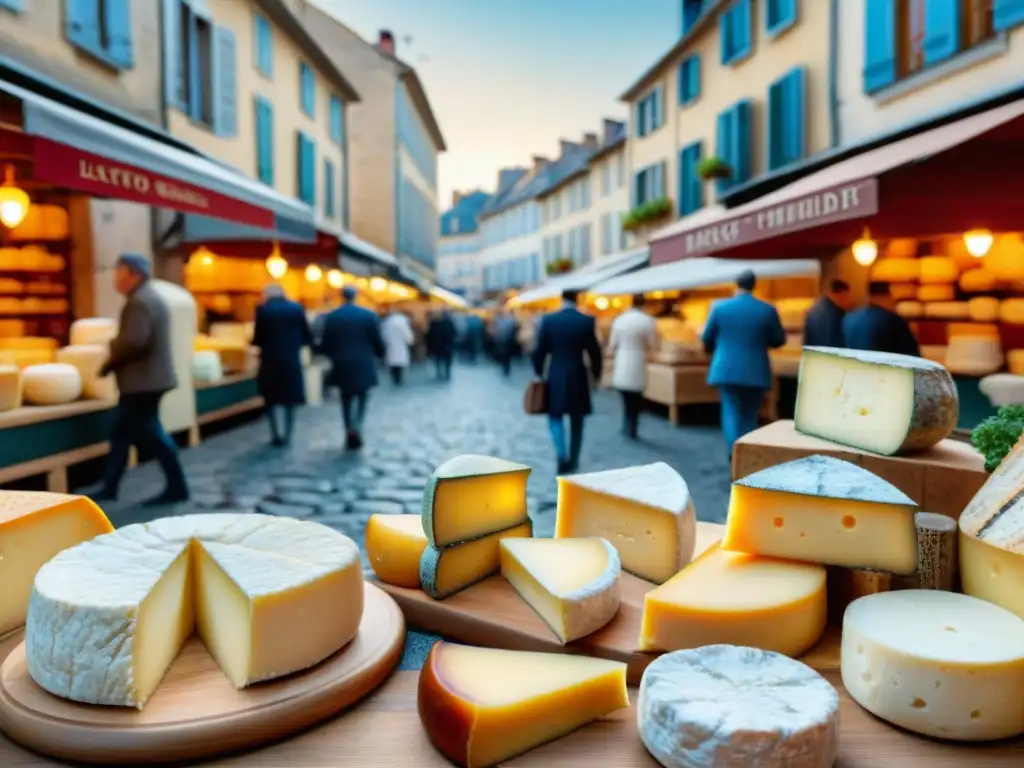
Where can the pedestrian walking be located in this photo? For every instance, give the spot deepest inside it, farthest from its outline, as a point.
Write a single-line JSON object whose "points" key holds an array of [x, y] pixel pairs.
{"points": [[441, 343], [877, 328], [505, 330], [823, 326], [352, 342], [738, 335], [142, 362], [474, 337], [398, 337], [281, 331], [633, 336], [565, 339]]}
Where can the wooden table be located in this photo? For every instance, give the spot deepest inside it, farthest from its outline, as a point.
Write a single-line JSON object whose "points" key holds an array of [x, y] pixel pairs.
{"points": [[686, 384]]}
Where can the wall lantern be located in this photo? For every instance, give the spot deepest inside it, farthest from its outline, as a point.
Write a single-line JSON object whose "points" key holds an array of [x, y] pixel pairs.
{"points": [[978, 242], [276, 264], [314, 274], [335, 279], [865, 250], [378, 285], [14, 201], [601, 303]]}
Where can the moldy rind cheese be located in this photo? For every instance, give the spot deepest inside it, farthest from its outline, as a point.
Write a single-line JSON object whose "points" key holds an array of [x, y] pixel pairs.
{"points": [[394, 547], [444, 572], [879, 402]]}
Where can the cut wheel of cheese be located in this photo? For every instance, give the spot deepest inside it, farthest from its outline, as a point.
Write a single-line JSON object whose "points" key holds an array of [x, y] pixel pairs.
{"points": [[724, 705], [92, 330], [896, 270], [33, 528], [472, 496], [448, 570], [820, 509], [937, 663], [268, 596], [738, 599], [1012, 311], [482, 706], [572, 584], [909, 309], [89, 359], [948, 310], [51, 384], [941, 292], [876, 401], [984, 309], [394, 546], [10, 387], [938, 269], [978, 281], [902, 291], [974, 355], [645, 512]]}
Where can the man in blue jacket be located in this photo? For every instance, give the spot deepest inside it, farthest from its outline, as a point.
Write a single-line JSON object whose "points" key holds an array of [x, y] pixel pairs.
{"points": [[823, 326], [738, 335], [876, 328]]}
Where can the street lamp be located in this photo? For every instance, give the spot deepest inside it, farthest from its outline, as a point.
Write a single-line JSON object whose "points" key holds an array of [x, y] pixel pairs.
{"points": [[314, 274], [14, 201], [865, 250], [978, 242]]}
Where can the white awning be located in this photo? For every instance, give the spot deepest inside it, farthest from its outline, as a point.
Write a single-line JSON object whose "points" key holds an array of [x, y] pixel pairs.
{"points": [[452, 299], [368, 250], [582, 279], [690, 274]]}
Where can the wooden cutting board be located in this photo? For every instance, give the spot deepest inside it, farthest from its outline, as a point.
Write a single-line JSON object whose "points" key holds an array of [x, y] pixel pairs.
{"points": [[493, 614], [196, 713]]}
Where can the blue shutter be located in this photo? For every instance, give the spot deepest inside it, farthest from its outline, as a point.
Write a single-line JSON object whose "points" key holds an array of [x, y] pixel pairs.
{"points": [[13, 5], [195, 84], [725, 36], [174, 63], [941, 30], [879, 44], [742, 27], [638, 129], [1007, 13], [307, 89], [776, 124], [780, 15], [741, 141], [82, 23], [337, 120], [310, 171], [724, 146], [225, 82], [264, 140], [264, 46], [694, 72], [329, 189], [695, 181], [118, 18], [796, 109]]}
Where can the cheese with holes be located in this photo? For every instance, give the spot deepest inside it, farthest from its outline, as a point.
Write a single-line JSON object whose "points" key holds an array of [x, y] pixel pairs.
{"points": [[93, 330], [942, 292], [984, 309], [645, 512], [737, 599], [974, 355], [268, 596], [948, 310], [978, 281], [725, 706], [937, 663], [394, 547], [472, 496], [938, 269], [876, 401], [909, 309], [33, 528], [992, 537], [89, 359], [10, 387], [483, 706], [820, 509], [51, 384], [572, 584], [1012, 311], [896, 270], [448, 570]]}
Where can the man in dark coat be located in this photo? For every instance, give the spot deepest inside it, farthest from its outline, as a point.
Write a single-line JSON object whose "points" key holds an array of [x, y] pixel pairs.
{"points": [[281, 331], [440, 341], [823, 326], [352, 342], [564, 339], [141, 360], [875, 327], [505, 330]]}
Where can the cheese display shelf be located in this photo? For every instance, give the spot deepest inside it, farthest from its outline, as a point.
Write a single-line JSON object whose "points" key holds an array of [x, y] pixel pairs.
{"points": [[680, 384], [230, 396]]}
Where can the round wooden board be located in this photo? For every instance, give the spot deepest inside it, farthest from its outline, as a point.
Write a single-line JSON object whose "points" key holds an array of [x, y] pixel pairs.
{"points": [[196, 713]]}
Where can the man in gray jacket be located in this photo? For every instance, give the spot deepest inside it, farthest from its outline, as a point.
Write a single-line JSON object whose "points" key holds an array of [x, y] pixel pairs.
{"points": [[141, 359]]}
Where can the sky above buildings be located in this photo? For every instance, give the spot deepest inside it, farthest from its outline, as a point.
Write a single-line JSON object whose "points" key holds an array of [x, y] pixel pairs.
{"points": [[508, 79]]}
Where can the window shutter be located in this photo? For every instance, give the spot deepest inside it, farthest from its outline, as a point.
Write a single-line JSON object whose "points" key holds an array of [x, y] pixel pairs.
{"points": [[725, 35], [1007, 14], [265, 141], [742, 28], [694, 74], [741, 141], [879, 44], [638, 119], [310, 166], [118, 18], [724, 145], [225, 82], [776, 124], [174, 56], [695, 181], [82, 23], [941, 30], [796, 105]]}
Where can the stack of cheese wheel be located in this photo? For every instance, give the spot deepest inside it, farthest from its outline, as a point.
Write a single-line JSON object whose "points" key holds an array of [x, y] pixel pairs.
{"points": [[89, 359]]}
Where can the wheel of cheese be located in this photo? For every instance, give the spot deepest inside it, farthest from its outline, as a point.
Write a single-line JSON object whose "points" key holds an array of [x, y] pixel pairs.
{"points": [[903, 291], [88, 359], [978, 281], [974, 355], [206, 366], [726, 705], [901, 248], [10, 387], [948, 310], [92, 330], [51, 384], [1006, 259], [934, 352], [1012, 311], [1015, 361], [938, 269], [909, 309], [896, 270], [936, 292]]}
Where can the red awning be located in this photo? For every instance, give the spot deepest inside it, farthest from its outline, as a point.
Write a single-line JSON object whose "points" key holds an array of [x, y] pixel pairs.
{"points": [[962, 175]]}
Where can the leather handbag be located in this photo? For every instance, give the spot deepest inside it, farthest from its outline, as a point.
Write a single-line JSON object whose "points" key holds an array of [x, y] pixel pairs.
{"points": [[535, 399]]}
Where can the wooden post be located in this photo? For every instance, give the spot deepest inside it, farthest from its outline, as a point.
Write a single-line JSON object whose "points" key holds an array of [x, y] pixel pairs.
{"points": [[847, 584], [936, 551], [57, 480]]}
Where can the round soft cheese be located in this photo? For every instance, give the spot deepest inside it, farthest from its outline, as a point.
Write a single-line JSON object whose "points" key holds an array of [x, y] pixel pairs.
{"points": [[726, 706], [937, 663]]}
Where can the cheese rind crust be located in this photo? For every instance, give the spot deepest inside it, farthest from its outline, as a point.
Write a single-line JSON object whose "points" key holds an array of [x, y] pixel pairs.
{"points": [[443, 572], [394, 546]]}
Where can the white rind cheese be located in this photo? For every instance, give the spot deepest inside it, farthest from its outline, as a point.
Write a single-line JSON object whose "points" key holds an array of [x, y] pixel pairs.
{"points": [[876, 401], [937, 663], [268, 596], [726, 706]]}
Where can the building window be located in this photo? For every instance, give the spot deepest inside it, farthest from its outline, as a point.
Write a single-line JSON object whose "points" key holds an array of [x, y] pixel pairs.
{"points": [[650, 113], [787, 119], [649, 184], [101, 28], [307, 89], [264, 47], [734, 26], [779, 15], [732, 143], [264, 140], [606, 179], [337, 120], [572, 198], [306, 169], [585, 192], [691, 185], [330, 204], [623, 237], [620, 171], [689, 80], [607, 233]]}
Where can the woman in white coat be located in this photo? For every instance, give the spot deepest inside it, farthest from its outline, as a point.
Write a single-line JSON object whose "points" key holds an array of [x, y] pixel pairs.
{"points": [[396, 330], [633, 336]]}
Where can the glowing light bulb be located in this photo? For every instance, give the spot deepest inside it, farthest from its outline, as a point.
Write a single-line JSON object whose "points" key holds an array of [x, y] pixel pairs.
{"points": [[601, 303], [14, 201], [335, 279], [378, 285], [865, 250], [277, 266], [978, 242], [314, 274]]}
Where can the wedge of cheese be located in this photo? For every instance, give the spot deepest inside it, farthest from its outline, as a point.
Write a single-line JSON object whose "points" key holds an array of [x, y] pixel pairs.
{"points": [[472, 496], [937, 663], [572, 584], [394, 546], [737, 599], [645, 512], [820, 509], [482, 706], [268, 596], [876, 401], [444, 572], [33, 528]]}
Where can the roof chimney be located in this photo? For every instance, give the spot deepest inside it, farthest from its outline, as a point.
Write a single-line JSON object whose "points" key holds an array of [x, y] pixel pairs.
{"points": [[539, 163], [612, 130], [565, 147], [509, 176], [386, 42], [590, 140]]}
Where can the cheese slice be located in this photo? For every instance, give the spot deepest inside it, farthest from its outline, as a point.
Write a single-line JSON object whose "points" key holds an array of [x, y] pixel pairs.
{"points": [[269, 596], [394, 546], [737, 599], [937, 663], [723, 705], [33, 528], [820, 509], [876, 401], [472, 496], [482, 706], [444, 572], [645, 512], [572, 584]]}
